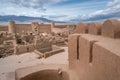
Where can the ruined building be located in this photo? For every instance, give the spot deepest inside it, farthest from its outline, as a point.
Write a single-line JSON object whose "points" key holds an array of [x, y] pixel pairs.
{"points": [[94, 54], [36, 27], [28, 28], [29, 37]]}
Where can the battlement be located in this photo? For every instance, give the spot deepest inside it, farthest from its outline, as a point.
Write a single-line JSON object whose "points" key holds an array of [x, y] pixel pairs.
{"points": [[109, 28], [96, 57]]}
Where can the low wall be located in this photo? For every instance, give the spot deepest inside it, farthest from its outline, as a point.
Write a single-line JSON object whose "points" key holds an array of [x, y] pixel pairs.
{"points": [[24, 48], [47, 52], [42, 72]]}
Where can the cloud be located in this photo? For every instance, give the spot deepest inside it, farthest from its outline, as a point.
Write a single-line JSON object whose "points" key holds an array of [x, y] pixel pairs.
{"points": [[114, 3], [36, 4], [112, 10], [83, 11], [54, 17]]}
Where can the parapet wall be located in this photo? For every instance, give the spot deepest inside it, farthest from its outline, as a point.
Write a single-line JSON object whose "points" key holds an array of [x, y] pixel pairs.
{"points": [[109, 28], [94, 57], [82, 28]]}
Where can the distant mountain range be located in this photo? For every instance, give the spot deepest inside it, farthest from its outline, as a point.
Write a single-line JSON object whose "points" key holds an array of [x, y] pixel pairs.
{"points": [[6, 18]]}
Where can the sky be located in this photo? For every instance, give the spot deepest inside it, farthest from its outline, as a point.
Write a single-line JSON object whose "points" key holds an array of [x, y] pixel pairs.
{"points": [[63, 10]]}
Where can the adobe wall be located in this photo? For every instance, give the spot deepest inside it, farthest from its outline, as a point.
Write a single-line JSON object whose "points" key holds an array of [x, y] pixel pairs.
{"points": [[44, 28], [58, 30], [106, 61], [73, 50], [21, 74], [24, 48], [27, 28], [11, 25], [82, 28], [20, 28], [43, 44], [94, 28], [3, 28], [94, 57], [111, 28]]}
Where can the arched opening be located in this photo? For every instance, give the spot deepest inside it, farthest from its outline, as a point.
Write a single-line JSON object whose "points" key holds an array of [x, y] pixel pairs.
{"points": [[47, 75]]}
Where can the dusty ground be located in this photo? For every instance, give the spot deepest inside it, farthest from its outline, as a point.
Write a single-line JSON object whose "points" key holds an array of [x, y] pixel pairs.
{"points": [[9, 64]]}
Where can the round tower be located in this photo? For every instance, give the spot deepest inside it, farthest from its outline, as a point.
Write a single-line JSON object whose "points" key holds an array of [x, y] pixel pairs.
{"points": [[11, 25], [52, 26]]}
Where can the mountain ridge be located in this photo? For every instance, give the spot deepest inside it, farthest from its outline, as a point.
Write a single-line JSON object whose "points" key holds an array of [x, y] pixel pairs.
{"points": [[7, 18]]}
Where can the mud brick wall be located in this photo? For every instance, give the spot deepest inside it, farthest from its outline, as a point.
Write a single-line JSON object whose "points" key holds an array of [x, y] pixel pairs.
{"points": [[95, 28], [111, 28], [82, 28], [98, 57]]}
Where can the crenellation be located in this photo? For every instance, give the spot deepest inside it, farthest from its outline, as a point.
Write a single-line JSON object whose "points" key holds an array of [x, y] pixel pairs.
{"points": [[111, 28], [82, 28], [96, 54], [95, 28]]}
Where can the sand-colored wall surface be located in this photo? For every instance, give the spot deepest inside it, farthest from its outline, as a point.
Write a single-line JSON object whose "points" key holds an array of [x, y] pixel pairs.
{"points": [[95, 28], [44, 28], [82, 28], [22, 28], [99, 57], [3, 28], [51, 72], [111, 28]]}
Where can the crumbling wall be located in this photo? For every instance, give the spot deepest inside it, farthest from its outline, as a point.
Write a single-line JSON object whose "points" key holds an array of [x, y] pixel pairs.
{"points": [[59, 30], [21, 49], [24, 48], [31, 47], [27, 28]]}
